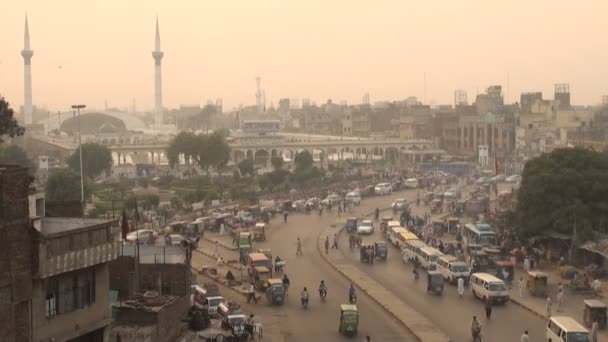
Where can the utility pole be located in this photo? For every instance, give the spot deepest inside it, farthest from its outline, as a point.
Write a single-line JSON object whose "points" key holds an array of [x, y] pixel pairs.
{"points": [[78, 107]]}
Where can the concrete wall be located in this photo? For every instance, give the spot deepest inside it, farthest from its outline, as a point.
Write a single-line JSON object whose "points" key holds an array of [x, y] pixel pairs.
{"points": [[75, 323], [15, 255]]}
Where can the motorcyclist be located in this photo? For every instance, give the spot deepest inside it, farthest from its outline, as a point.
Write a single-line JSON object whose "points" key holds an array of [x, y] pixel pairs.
{"points": [[352, 293], [322, 289], [304, 296], [286, 283], [475, 329]]}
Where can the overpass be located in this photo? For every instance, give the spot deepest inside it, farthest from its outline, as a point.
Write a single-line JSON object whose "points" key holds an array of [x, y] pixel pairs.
{"points": [[261, 150]]}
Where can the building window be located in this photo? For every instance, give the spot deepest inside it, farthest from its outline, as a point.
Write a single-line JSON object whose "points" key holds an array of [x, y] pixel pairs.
{"points": [[50, 301]]}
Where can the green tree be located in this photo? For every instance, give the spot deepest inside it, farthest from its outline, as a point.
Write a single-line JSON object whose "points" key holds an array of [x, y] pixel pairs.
{"points": [[217, 150], [8, 124], [303, 161], [95, 159], [246, 166], [561, 189], [182, 144], [63, 185], [277, 163], [13, 154]]}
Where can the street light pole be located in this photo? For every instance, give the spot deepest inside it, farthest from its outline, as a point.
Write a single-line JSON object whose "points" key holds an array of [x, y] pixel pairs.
{"points": [[78, 107]]}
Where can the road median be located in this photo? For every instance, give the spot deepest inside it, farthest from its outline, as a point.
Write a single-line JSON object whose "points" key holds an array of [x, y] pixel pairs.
{"points": [[414, 321]]}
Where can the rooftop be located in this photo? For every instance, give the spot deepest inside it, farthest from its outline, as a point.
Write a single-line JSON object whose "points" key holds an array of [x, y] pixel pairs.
{"points": [[150, 301], [58, 225]]}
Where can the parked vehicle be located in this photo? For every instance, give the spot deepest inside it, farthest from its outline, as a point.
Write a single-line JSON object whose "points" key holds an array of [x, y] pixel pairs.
{"points": [[383, 189], [353, 197], [399, 204], [332, 200], [536, 283], [349, 320], [259, 231], [428, 257], [204, 299], [174, 240], [513, 179], [351, 225], [366, 227], [257, 260], [142, 237], [484, 285], [498, 178], [411, 183], [483, 180], [595, 311], [434, 282], [563, 328], [411, 250]]}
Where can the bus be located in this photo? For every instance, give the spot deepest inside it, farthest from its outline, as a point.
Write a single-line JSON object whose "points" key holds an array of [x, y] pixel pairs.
{"points": [[260, 127], [480, 234]]}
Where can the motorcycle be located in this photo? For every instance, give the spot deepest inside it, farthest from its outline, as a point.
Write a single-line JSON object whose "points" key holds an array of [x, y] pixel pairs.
{"points": [[353, 299], [305, 303], [323, 294]]}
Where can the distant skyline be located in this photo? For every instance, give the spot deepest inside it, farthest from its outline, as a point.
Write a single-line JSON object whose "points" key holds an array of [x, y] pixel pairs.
{"points": [[93, 52]]}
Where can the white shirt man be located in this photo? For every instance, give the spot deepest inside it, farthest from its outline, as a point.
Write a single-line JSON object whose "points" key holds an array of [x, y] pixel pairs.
{"points": [[525, 337]]}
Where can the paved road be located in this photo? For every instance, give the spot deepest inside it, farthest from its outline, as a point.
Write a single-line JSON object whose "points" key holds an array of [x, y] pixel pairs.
{"points": [[320, 321], [452, 314]]}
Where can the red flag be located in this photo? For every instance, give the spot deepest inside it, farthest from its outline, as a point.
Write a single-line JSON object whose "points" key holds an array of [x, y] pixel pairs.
{"points": [[497, 166], [124, 226]]}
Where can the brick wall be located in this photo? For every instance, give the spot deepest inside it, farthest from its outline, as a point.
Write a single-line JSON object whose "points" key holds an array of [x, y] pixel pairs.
{"points": [[15, 254]]}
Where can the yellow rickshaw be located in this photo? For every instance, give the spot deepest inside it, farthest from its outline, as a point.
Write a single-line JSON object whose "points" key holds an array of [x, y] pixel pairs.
{"points": [[537, 283], [259, 231], [275, 294], [261, 275]]}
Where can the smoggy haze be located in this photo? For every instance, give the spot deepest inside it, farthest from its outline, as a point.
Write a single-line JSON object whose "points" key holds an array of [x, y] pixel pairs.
{"points": [[318, 49]]}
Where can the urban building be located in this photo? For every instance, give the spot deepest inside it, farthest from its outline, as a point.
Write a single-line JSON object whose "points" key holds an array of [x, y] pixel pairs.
{"points": [[489, 102]]}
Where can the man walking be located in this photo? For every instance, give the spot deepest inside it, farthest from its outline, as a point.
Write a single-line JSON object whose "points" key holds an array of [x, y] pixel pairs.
{"points": [[251, 294], [521, 287], [326, 244], [559, 299], [488, 307], [299, 246], [460, 286], [548, 305], [335, 244], [525, 337]]}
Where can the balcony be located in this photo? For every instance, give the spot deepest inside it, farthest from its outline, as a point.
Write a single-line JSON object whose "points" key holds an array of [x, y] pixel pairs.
{"points": [[50, 265]]}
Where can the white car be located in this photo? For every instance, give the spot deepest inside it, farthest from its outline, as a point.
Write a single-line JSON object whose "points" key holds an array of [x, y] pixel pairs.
{"points": [[411, 183], [399, 204], [483, 180], [498, 178], [331, 200], [513, 179], [452, 193], [383, 189], [142, 236], [353, 197], [366, 227], [174, 240]]}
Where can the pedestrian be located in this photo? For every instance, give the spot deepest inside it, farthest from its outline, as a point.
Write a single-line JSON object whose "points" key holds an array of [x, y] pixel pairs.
{"points": [[526, 264], [251, 294], [513, 261], [276, 264], [285, 216], [488, 307], [299, 246], [460, 286], [326, 244], [560, 300], [222, 228], [525, 337], [521, 287], [368, 339], [594, 329], [216, 249], [548, 305], [335, 244]]}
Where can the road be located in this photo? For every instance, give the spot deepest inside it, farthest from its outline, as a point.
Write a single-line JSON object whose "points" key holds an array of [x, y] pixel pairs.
{"points": [[320, 322], [452, 314]]}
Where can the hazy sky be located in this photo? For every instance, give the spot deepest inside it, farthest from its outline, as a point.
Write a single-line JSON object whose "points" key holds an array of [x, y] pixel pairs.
{"points": [[92, 51]]}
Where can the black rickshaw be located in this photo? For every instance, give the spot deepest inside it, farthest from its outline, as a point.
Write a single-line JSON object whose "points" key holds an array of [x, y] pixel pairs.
{"points": [[380, 250], [351, 225], [434, 282], [460, 208], [436, 206], [275, 293], [595, 311]]}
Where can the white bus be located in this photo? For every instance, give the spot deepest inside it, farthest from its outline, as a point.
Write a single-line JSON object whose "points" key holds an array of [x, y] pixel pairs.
{"points": [[480, 234], [411, 250], [428, 257]]}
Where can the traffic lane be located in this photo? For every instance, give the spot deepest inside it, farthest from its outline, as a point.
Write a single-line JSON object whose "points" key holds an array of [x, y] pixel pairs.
{"points": [[321, 320], [451, 313]]}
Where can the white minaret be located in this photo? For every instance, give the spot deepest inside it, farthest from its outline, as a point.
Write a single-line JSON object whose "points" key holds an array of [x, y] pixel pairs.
{"points": [[158, 83], [27, 54]]}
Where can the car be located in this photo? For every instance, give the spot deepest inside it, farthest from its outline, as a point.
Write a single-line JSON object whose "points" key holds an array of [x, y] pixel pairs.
{"points": [[498, 178], [399, 204], [353, 197], [513, 179], [366, 227], [411, 183], [452, 193], [245, 216], [142, 236], [383, 189], [332, 199], [313, 202], [174, 240], [483, 180]]}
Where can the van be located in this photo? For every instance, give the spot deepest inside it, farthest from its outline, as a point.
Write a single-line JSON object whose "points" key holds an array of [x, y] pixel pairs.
{"points": [[353, 197], [563, 328], [411, 183], [484, 285], [451, 268], [410, 250], [382, 189], [428, 257]]}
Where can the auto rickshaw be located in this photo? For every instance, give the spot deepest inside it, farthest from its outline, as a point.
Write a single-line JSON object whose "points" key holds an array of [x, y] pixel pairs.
{"points": [[259, 231], [266, 252], [380, 250], [537, 283], [384, 224], [244, 251], [427, 198], [261, 275], [434, 282], [461, 206], [366, 251], [595, 310], [351, 224], [275, 293], [245, 238], [436, 206], [349, 320], [504, 271]]}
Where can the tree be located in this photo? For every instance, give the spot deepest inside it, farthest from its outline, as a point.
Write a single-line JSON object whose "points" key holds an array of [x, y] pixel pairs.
{"points": [[303, 161], [13, 154], [277, 163], [247, 167], [205, 150], [217, 150], [95, 159], [564, 188], [63, 185], [8, 124]]}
